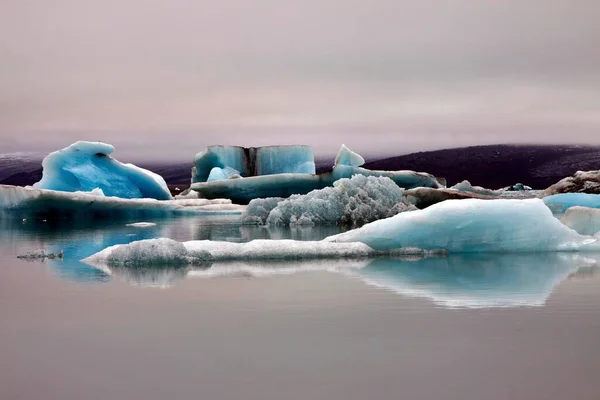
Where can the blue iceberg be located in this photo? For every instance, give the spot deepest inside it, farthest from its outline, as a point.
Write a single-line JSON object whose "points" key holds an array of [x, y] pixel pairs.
{"points": [[345, 156], [252, 161], [85, 166], [473, 225], [560, 203]]}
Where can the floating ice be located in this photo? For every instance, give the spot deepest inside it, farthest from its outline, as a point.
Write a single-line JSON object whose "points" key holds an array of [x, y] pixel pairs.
{"points": [[142, 224], [518, 187], [463, 226], [560, 203], [584, 220], [465, 186], [222, 173], [18, 202], [41, 255], [284, 159], [85, 166], [242, 191], [345, 156], [253, 161], [169, 252], [350, 202]]}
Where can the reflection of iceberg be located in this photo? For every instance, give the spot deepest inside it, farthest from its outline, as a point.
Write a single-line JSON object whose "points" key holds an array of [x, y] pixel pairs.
{"points": [[469, 280]]}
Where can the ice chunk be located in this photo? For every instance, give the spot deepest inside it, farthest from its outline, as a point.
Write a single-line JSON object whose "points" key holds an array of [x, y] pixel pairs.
{"points": [[223, 173], [559, 203], [476, 280], [284, 159], [154, 252], [518, 187], [252, 161], [142, 224], [472, 225], [465, 186], [350, 202], [18, 202], [345, 156], [581, 182], [220, 157], [42, 255], [584, 220], [258, 210], [242, 191], [85, 166], [424, 197]]}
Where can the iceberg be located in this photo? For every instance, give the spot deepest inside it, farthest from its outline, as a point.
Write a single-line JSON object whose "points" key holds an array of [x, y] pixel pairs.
{"points": [[560, 203], [252, 161], [583, 220], [38, 204], [284, 160], [217, 174], [85, 166], [465, 186], [345, 156], [350, 202], [472, 225], [242, 191], [168, 252]]}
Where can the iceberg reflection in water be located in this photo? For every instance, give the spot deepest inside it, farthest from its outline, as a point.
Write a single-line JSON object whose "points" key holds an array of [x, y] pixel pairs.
{"points": [[456, 281]]}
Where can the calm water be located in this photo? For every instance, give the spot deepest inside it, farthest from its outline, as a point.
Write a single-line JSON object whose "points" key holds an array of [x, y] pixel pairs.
{"points": [[458, 327]]}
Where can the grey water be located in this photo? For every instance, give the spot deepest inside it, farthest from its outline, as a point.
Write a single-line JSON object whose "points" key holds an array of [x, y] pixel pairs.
{"points": [[487, 326]]}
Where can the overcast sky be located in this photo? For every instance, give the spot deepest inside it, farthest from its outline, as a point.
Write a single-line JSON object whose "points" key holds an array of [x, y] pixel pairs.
{"points": [[163, 79]]}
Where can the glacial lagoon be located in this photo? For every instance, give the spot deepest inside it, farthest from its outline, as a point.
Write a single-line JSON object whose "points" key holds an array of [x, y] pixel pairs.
{"points": [[491, 326]]}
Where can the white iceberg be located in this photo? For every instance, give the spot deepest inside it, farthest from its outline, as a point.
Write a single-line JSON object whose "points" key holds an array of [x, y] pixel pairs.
{"points": [[142, 224], [85, 166], [465, 186], [163, 251], [17, 202], [472, 225], [584, 220], [350, 202], [345, 156]]}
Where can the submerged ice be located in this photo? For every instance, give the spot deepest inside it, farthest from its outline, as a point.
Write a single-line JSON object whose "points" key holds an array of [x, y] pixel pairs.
{"points": [[85, 166]]}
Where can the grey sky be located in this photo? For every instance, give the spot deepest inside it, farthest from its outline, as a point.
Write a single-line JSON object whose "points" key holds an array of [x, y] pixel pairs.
{"points": [[382, 76]]}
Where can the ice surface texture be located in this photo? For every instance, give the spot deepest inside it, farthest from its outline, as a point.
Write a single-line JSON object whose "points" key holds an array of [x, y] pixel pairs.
{"points": [[465, 186], [350, 202], [583, 220], [472, 225], [85, 166], [560, 203], [345, 156], [19, 202], [253, 161]]}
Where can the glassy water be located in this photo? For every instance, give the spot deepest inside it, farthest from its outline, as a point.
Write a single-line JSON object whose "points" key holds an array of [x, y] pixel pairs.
{"points": [[459, 327]]}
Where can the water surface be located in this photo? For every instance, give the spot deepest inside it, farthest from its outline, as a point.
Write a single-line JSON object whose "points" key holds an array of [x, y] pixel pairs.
{"points": [[460, 327]]}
